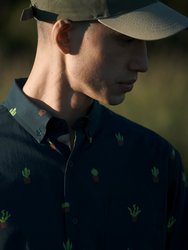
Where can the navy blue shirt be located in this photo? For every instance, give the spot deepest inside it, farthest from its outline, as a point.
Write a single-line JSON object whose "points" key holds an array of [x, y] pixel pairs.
{"points": [[121, 187]]}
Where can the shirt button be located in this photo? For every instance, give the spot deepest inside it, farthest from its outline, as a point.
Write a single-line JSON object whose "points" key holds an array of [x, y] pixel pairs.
{"points": [[39, 132], [74, 220]]}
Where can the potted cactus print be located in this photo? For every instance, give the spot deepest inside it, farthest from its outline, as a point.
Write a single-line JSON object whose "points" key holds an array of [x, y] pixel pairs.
{"points": [[171, 223], [134, 212], [41, 112], [184, 178], [52, 145], [95, 174], [66, 207], [4, 216], [67, 245], [173, 154], [26, 174], [155, 174], [13, 111], [90, 139], [120, 139]]}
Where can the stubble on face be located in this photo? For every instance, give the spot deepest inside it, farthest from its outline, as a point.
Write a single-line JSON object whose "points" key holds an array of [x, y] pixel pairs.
{"points": [[99, 65]]}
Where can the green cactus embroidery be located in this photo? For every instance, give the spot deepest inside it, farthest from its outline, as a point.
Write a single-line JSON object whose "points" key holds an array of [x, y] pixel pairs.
{"points": [[67, 245], [184, 178], [13, 111], [134, 212], [90, 139], [173, 154], [120, 139], [171, 222], [155, 174], [52, 145], [66, 207], [4, 216], [26, 174], [95, 174]]}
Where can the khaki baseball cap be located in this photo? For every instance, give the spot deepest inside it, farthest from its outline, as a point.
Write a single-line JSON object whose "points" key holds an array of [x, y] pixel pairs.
{"points": [[140, 19]]}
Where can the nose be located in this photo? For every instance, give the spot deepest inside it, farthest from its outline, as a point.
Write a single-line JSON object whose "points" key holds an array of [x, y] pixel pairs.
{"points": [[139, 58]]}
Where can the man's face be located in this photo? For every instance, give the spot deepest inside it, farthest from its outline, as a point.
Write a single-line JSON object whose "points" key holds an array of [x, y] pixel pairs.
{"points": [[106, 64]]}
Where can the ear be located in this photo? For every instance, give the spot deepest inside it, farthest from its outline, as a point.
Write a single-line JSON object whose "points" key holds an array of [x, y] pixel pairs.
{"points": [[60, 32]]}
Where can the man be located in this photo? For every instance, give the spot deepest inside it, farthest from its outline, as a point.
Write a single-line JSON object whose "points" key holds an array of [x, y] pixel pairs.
{"points": [[75, 175]]}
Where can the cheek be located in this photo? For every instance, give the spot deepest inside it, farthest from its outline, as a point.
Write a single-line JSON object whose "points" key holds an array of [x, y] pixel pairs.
{"points": [[85, 67]]}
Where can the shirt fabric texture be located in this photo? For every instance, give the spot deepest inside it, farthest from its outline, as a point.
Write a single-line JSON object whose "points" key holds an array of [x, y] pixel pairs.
{"points": [[122, 186]]}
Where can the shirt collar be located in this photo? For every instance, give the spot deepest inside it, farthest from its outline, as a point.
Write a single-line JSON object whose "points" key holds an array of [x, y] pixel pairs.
{"points": [[27, 114], [34, 120]]}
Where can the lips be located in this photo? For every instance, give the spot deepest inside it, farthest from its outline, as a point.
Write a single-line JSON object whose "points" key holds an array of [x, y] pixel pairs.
{"points": [[126, 86]]}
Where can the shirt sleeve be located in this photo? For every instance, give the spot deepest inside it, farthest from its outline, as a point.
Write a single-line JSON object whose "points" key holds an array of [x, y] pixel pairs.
{"points": [[176, 203]]}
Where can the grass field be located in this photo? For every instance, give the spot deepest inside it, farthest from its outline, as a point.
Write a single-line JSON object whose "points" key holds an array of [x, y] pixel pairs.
{"points": [[159, 100]]}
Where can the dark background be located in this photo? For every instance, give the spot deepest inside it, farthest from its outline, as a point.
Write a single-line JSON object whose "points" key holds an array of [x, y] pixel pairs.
{"points": [[18, 38]]}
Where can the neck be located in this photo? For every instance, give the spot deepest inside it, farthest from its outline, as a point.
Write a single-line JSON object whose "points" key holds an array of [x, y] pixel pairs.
{"points": [[50, 90]]}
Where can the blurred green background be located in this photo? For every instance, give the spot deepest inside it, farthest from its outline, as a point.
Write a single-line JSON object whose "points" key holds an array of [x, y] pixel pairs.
{"points": [[160, 98]]}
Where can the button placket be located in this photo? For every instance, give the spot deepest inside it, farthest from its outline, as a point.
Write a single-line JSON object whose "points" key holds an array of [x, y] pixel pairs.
{"points": [[71, 163]]}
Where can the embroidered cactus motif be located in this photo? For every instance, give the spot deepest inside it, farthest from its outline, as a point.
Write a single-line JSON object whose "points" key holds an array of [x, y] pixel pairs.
{"points": [[184, 178], [120, 139], [41, 112], [134, 212], [4, 216], [95, 175], [90, 139], [13, 111], [26, 174], [52, 145], [67, 245], [171, 222], [173, 154], [66, 207], [155, 174]]}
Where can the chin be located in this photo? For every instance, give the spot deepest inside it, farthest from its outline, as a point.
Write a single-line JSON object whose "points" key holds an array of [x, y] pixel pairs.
{"points": [[113, 101]]}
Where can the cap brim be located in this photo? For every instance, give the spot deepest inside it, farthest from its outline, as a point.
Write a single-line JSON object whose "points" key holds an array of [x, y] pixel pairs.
{"points": [[153, 22]]}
